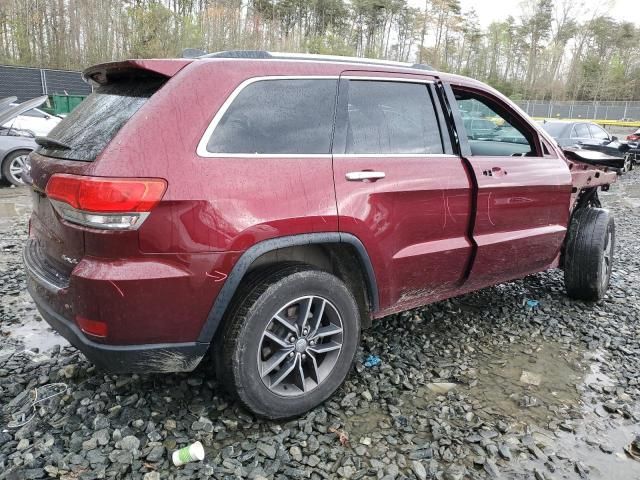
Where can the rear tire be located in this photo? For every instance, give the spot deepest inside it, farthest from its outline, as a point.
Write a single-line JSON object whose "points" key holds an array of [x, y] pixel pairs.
{"points": [[314, 338], [10, 166], [589, 254]]}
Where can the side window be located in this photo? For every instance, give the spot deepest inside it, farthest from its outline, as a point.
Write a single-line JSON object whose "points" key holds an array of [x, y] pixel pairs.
{"points": [[280, 116], [581, 130], [597, 132], [491, 130], [386, 117]]}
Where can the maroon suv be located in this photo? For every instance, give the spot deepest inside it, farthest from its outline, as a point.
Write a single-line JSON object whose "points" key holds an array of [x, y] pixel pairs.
{"points": [[266, 207]]}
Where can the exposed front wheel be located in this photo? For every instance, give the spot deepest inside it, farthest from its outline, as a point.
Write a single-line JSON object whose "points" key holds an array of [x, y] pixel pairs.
{"points": [[289, 340], [13, 166], [589, 253]]}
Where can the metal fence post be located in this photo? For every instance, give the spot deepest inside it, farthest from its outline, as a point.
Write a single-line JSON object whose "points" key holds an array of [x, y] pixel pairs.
{"points": [[43, 80]]}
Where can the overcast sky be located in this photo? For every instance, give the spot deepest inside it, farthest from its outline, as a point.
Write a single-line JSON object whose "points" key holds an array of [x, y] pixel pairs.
{"points": [[490, 10]]}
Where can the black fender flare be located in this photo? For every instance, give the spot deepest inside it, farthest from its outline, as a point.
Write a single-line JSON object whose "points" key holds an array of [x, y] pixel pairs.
{"points": [[250, 255]]}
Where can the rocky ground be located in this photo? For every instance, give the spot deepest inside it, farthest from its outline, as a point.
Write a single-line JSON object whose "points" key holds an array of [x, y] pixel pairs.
{"points": [[481, 386]]}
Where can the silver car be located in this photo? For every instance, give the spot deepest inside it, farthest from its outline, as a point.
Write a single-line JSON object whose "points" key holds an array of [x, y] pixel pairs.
{"points": [[15, 144]]}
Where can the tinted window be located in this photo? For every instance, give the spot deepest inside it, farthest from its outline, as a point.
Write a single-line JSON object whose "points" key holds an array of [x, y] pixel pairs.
{"points": [[94, 123], [278, 117], [391, 117], [597, 132], [495, 134], [580, 130]]}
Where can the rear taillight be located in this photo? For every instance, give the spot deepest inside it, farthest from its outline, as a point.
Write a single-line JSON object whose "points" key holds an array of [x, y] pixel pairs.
{"points": [[102, 202], [94, 328]]}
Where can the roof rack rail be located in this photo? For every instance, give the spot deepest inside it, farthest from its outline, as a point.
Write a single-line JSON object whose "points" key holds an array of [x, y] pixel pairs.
{"points": [[422, 66], [259, 54], [263, 54]]}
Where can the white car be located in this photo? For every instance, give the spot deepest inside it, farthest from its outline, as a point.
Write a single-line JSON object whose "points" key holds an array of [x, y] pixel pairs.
{"points": [[34, 120]]}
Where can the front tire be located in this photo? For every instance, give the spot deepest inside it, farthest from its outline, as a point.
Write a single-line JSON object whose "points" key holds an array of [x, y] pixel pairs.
{"points": [[289, 340], [13, 165], [589, 254]]}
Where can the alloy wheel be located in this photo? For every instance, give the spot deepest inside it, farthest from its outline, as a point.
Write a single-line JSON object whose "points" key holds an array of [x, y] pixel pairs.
{"points": [[300, 346], [16, 168]]}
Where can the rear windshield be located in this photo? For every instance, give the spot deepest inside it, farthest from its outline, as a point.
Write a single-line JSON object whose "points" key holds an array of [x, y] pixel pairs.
{"points": [[556, 130], [94, 123]]}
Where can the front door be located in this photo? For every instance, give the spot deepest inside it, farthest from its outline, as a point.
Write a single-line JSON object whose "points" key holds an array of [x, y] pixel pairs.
{"points": [[523, 194], [399, 187]]}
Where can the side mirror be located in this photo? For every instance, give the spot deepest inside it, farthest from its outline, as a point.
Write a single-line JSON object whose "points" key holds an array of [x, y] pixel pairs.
{"points": [[614, 138], [47, 117]]}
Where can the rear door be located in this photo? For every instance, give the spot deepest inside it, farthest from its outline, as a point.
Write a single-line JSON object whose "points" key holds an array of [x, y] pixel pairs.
{"points": [[399, 187], [523, 194]]}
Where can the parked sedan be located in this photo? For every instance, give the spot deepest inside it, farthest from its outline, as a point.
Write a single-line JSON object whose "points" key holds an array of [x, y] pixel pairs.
{"points": [[15, 147], [588, 136], [575, 133], [15, 144], [479, 128], [35, 120]]}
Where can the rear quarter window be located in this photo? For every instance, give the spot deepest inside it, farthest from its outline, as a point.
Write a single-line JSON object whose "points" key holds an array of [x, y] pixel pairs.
{"points": [[96, 121], [277, 116]]}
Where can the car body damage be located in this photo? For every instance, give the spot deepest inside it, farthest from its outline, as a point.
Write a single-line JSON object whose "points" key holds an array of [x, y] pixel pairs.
{"points": [[594, 157], [177, 236]]}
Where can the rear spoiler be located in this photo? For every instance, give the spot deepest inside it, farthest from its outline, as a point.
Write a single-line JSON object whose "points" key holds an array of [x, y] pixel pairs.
{"points": [[107, 72], [593, 157]]}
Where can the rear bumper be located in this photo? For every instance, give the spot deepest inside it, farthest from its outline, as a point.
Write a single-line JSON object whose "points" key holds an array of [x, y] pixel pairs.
{"points": [[167, 357]]}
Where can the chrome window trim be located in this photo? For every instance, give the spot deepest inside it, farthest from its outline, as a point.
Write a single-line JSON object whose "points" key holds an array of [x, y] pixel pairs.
{"points": [[387, 79], [394, 155], [202, 151]]}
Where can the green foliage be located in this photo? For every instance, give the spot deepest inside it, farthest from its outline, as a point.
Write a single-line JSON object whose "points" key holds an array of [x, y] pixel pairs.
{"points": [[546, 52]]}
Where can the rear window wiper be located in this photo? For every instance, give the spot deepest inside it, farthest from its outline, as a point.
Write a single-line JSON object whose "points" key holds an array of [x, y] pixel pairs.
{"points": [[52, 143]]}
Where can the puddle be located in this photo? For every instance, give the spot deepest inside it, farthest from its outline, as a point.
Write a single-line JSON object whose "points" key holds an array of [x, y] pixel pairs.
{"points": [[364, 424], [564, 397], [602, 465], [8, 210], [498, 389], [34, 334]]}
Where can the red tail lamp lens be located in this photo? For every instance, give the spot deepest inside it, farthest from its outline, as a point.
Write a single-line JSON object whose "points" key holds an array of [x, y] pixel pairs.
{"points": [[102, 194], [92, 327]]}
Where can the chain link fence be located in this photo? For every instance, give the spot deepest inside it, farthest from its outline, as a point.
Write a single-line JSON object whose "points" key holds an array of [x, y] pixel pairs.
{"points": [[26, 83], [614, 111]]}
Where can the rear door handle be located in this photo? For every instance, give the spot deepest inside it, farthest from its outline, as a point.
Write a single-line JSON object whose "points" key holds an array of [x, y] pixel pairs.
{"points": [[364, 176]]}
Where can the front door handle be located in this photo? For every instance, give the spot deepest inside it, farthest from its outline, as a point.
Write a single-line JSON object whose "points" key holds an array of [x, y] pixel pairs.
{"points": [[365, 175]]}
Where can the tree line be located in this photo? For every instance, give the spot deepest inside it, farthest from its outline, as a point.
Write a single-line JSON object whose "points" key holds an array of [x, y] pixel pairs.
{"points": [[550, 50]]}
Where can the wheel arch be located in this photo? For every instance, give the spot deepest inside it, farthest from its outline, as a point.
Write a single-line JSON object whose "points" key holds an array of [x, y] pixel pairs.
{"points": [[269, 251]]}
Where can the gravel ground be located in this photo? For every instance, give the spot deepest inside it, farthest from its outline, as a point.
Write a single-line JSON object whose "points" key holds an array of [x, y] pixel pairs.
{"points": [[481, 386]]}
